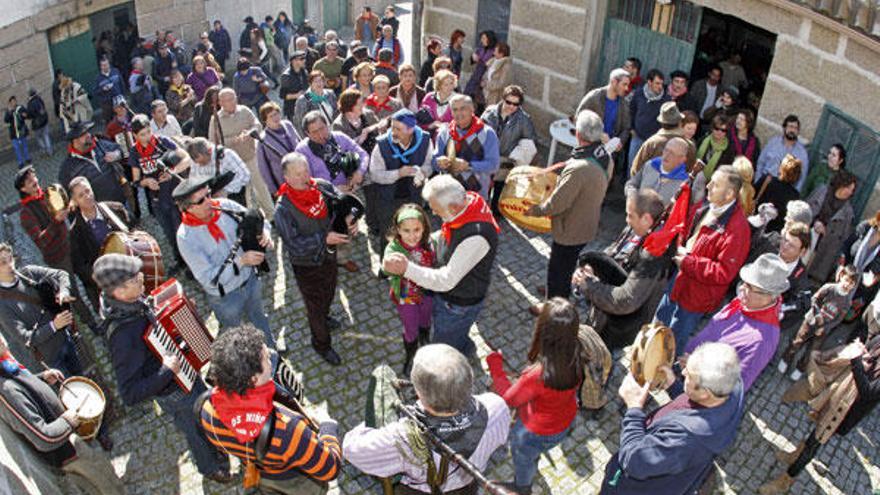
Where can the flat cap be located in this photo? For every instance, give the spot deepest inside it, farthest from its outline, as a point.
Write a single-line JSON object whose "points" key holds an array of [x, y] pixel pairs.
{"points": [[112, 270]]}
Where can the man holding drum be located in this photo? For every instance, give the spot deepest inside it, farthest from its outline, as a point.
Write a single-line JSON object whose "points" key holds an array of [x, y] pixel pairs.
{"points": [[140, 376], [467, 148], [575, 204], [32, 409], [671, 450]]}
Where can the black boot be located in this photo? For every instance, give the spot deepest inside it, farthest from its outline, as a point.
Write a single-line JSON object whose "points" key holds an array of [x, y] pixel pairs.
{"points": [[424, 336], [410, 348]]}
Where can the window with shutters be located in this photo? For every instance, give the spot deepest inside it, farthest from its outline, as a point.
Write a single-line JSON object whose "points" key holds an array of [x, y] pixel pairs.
{"points": [[676, 18]]}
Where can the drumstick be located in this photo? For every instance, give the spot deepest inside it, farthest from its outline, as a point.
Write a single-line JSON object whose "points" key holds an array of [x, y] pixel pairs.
{"points": [[62, 386]]}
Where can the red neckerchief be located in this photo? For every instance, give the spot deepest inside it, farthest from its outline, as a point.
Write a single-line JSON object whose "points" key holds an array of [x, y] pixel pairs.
{"points": [[191, 220], [374, 102], [73, 151], [386, 65], [244, 414], [476, 211], [34, 197], [475, 127], [767, 315], [658, 242], [738, 145], [148, 150], [8, 358], [309, 201]]}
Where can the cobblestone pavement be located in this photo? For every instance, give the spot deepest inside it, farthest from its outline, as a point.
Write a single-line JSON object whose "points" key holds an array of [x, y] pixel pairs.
{"points": [[151, 455]]}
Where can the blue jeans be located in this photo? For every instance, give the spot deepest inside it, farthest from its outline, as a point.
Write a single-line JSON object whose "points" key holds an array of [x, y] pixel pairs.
{"points": [[168, 217], [525, 448], [67, 361], [680, 320], [179, 406], [43, 139], [21, 151], [452, 323], [247, 301], [635, 142]]}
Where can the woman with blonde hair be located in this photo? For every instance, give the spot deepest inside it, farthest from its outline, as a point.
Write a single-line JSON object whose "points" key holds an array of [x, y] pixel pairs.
{"points": [[437, 102], [743, 167], [362, 76]]}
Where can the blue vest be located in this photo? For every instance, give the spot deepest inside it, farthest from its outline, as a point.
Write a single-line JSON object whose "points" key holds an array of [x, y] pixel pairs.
{"points": [[404, 189]]}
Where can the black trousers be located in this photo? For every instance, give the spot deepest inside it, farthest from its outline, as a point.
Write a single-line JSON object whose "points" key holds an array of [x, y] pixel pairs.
{"points": [[811, 447], [317, 284], [563, 260]]}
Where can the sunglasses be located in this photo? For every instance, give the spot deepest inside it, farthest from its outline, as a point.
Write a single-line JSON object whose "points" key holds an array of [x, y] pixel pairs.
{"points": [[513, 103], [722, 129], [201, 201]]}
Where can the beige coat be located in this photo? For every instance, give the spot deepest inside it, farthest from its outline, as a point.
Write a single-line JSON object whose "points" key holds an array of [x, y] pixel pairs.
{"points": [[498, 75], [576, 202]]}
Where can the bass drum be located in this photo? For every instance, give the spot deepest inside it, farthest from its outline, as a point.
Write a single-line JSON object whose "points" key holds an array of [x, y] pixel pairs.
{"points": [[522, 190], [144, 246]]}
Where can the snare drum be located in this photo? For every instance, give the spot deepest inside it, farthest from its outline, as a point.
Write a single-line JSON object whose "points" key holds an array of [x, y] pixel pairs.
{"points": [[86, 398], [522, 190], [653, 348]]}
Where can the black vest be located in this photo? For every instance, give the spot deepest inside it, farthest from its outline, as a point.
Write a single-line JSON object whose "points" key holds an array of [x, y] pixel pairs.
{"points": [[404, 188], [472, 288]]}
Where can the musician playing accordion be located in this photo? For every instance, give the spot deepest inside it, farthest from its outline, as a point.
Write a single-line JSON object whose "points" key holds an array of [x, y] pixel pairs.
{"points": [[280, 447], [30, 407], [140, 375], [474, 426]]}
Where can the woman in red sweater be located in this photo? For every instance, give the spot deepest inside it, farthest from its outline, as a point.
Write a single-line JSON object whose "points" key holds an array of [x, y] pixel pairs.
{"points": [[545, 394]]}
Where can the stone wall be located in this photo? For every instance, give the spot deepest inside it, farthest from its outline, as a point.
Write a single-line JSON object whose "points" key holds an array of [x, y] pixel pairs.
{"points": [[185, 17]]}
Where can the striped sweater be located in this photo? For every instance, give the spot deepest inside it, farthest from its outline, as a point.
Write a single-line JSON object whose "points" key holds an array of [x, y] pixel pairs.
{"points": [[49, 236], [295, 449]]}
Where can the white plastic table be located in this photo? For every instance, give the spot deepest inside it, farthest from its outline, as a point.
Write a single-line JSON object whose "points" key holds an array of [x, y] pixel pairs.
{"points": [[562, 132]]}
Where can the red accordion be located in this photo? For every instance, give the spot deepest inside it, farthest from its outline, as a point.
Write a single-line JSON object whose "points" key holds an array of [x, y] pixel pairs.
{"points": [[180, 333]]}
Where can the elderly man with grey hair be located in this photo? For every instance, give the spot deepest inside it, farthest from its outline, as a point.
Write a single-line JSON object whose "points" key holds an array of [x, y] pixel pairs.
{"points": [[575, 204], [474, 145], [209, 161], [467, 245], [671, 450], [301, 43], [475, 426], [607, 102], [665, 173]]}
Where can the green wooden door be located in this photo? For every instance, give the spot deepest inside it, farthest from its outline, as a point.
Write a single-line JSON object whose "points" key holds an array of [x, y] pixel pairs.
{"points": [[862, 146], [661, 36], [335, 14], [72, 51], [297, 11]]}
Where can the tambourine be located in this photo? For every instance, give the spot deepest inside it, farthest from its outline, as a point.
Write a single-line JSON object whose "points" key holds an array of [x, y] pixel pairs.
{"points": [[653, 348]]}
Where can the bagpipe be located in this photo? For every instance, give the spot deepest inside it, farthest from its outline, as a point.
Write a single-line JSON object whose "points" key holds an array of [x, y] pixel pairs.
{"points": [[251, 223], [341, 206], [385, 406]]}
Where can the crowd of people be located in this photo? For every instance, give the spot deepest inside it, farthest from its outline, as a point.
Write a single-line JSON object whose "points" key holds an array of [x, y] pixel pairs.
{"points": [[729, 244]]}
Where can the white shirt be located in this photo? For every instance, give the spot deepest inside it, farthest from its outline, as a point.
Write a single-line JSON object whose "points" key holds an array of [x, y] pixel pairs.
{"points": [[710, 97], [170, 129]]}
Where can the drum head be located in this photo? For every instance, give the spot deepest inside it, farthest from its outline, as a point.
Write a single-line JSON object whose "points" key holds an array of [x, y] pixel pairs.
{"points": [[522, 190], [114, 243], [653, 348]]}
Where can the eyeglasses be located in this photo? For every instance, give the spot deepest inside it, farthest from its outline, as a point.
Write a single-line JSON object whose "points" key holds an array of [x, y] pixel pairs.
{"points": [[722, 129], [513, 103], [201, 201]]}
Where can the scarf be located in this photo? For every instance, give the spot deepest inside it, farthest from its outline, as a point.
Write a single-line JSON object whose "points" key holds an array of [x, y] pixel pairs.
{"points": [[650, 95], [148, 150], [374, 102], [475, 127], [769, 315], [403, 156], [717, 150], [656, 243], [86, 153], [675, 94], [180, 90], [191, 220], [309, 201], [749, 149], [386, 65], [317, 99], [244, 414], [476, 211], [9, 365], [407, 96], [404, 291], [463, 431], [678, 173], [34, 197]]}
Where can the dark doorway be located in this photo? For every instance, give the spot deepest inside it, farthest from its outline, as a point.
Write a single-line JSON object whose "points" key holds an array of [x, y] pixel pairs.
{"points": [[722, 39], [493, 15]]}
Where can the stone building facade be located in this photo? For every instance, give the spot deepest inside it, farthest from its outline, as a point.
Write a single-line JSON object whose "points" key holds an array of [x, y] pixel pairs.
{"points": [[819, 61]]}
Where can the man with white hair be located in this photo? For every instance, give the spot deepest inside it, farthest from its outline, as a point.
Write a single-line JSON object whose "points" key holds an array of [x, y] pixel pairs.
{"points": [[665, 173], [607, 102], [209, 161], [672, 449], [575, 204], [475, 426], [475, 146], [302, 44], [467, 244]]}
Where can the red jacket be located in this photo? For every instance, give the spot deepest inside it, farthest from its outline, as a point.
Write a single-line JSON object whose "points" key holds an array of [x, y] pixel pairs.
{"points": [[714, 262]]}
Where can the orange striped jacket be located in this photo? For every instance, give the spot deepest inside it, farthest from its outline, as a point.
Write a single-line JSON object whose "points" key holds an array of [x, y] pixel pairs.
{"points": [[294, 450]]}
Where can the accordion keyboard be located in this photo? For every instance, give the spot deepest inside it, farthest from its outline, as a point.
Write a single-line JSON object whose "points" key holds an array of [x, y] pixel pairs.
{"points": [[162, 343]]}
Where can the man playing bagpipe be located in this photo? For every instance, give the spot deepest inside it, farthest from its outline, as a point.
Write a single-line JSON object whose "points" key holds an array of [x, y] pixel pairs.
{"points": [[473, 426], [32, 409], [247, 415], [140, 375]]}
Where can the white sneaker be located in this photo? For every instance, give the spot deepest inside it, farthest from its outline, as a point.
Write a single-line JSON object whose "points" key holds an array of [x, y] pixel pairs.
{"points": [[795, 375], [782, 367]]}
